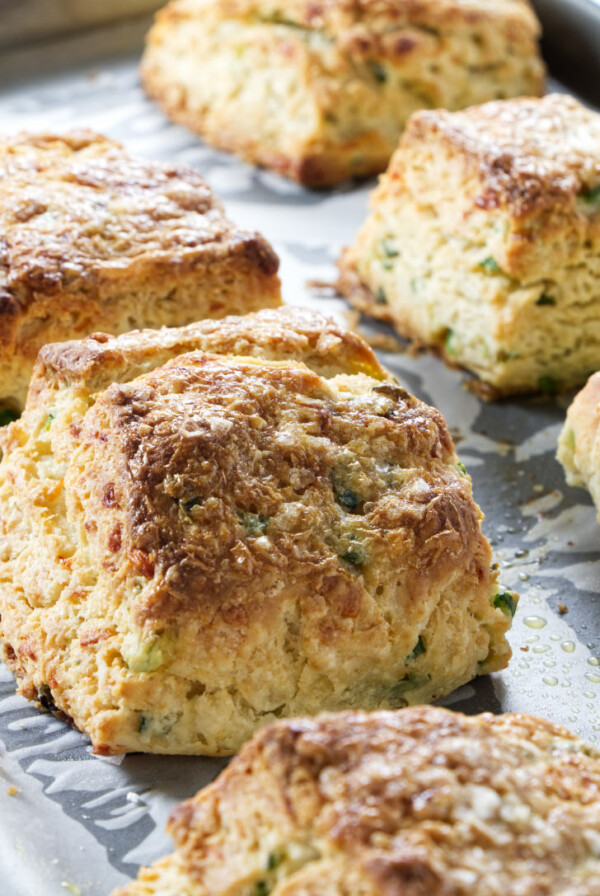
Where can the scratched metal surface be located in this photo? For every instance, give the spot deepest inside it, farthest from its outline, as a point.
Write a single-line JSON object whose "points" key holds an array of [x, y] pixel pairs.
{"points": [[80, 824]]}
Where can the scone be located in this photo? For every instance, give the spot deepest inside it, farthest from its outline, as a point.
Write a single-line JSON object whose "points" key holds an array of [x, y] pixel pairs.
{"points": [[264, 525], [93, 239], [419, 802], [321, 91], [483, 242], [579, 441]]}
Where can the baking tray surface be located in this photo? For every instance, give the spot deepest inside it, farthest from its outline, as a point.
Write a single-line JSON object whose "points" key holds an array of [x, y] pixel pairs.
{"points": [[78, 824]]}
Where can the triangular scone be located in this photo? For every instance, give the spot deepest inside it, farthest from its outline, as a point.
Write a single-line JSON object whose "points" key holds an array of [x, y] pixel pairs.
{"points": [[420, 802], [262, 526], [483, 242], [93, 239], [321, 91]]}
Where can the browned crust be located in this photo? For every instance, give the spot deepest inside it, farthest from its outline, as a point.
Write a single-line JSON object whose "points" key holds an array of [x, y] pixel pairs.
{"points": [[89, 234], [528, 174], [362, 26], [281, 333], [196, 568], [399, 803]]}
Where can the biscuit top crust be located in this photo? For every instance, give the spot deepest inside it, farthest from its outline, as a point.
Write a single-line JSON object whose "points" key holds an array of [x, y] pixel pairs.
{"points": [[294, 333], [422, 801], [361, 25], [76, 209], [531, 155], [211, 469], [338, 15]]}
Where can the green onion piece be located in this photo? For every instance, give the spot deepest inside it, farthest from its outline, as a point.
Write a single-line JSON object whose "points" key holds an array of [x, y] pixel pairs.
{"points": [[448, 341], [506, 602], [591, 195], [548, 385], [274, 859], [143, 724], [348, 498], [356, 555], [252, 523], [379, 72], [417, 650], [389, 250], [461, 468], [380, 297], [261, 888], [8, 415], [545, 299], [48, 422], [490, 265]]}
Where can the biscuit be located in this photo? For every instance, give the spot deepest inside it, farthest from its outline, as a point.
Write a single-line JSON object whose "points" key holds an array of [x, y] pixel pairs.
{"points": [[483, 242], [418, 802], [93, 239], [579, 441], [321, 91], [264, 525]]}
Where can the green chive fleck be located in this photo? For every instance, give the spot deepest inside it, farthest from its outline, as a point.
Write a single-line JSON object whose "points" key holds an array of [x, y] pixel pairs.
{"points": [[356, 555], [448, 341], [461, 468], [253, 523], [380, 297], [417, 650], [490, 265], [48, 422], [261, 888], [591, 195], [273, 860], [347, 498], [7, 415], [545, 299], [143, 724], [389, 250], [547, 385], [379, 72], [506, 602]]}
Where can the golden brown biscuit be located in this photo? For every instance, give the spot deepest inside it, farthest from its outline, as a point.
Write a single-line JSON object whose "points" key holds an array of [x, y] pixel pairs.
{"points": [[483, 242], [579, 441], [264, 525], [420, 802], [321, 91], [93, 239]]}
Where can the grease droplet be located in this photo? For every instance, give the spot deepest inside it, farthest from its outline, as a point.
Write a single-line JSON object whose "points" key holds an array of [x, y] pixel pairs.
{"points": [[540, 648], [535, 622], [568, 646], [551, 680], [593, 677]]}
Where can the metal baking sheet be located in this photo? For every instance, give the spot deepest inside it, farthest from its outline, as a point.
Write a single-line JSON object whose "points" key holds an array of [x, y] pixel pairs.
{"points": [[72, 823]]}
